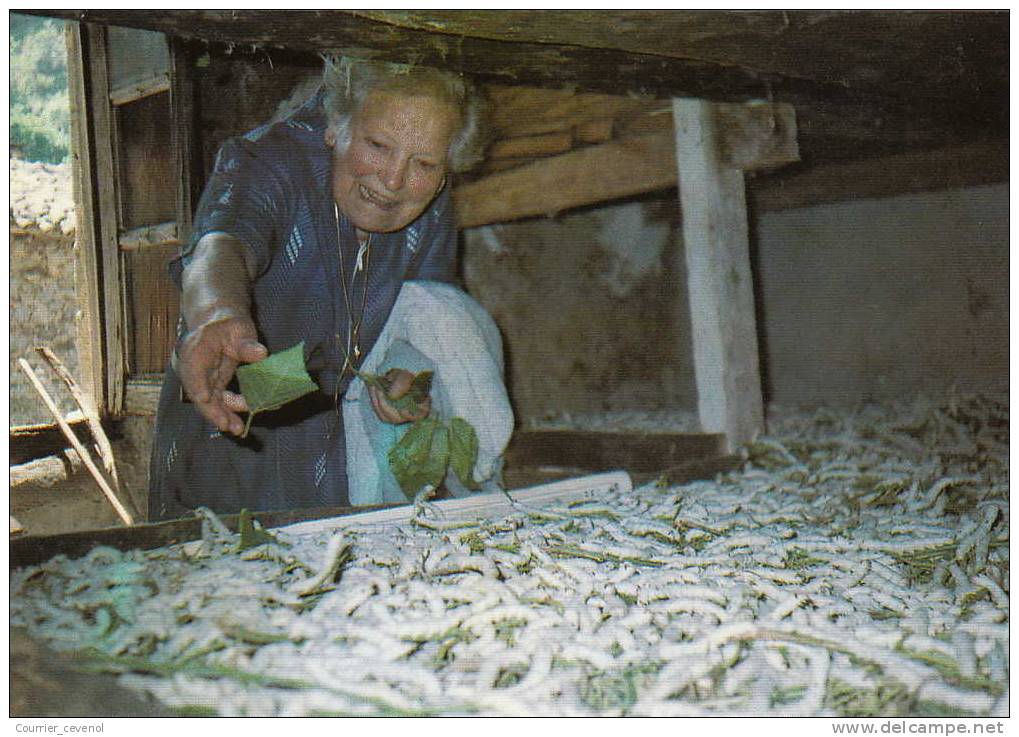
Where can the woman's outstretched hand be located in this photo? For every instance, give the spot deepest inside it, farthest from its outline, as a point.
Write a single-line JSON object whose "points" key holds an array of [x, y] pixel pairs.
{"points": [[206, 362]]}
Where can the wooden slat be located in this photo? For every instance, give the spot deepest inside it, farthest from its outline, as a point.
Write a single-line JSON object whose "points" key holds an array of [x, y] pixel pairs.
{"points": [[149, 236], [87, 406], [184, 135], [106, 211], [146, 171], [154, 302], [756, 136], [719, 283], [599, 130], [582, 177], [748, 137], [87, 253], [138, 90], [523, 146], [530, 111], [46, 471]]}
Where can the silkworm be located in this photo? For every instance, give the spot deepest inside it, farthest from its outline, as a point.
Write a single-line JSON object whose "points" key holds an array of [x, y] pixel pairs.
{"points": [[783, 579]]}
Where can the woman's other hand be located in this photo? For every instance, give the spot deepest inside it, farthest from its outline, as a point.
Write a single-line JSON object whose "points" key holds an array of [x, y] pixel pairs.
{"points": [[400, 381]]}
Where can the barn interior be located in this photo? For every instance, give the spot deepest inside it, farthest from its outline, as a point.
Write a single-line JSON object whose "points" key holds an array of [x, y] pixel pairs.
{"points": [[687, 224]]}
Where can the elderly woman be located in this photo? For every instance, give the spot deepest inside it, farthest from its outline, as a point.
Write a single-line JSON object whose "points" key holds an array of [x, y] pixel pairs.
{"points": [[306, 231]]}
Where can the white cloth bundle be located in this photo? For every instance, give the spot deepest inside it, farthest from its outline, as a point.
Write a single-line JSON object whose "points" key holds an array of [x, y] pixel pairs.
{"points": [[437, 327]]}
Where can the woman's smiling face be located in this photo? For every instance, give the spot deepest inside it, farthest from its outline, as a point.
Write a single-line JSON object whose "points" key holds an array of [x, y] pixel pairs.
{"points": [[396, 162]]}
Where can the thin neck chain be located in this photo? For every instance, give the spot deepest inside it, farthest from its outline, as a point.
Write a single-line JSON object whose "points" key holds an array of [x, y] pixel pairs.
{"points": [[352, 350]]}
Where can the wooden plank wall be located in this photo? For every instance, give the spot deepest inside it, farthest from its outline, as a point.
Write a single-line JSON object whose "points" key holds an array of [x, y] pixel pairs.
{"points": [[145, 162], [154, 303]]}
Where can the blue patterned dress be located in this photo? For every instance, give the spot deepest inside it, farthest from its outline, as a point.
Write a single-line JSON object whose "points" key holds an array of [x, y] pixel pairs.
{"points": [[271, 189]]}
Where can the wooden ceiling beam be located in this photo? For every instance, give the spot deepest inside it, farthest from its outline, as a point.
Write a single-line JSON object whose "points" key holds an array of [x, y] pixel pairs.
{"points": [[664, 73], [510, 62], [863, 82], [585, 176]]}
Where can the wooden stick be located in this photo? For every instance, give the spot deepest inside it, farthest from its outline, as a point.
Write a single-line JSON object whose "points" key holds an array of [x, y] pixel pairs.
{"points": [[16, 527], [76, 444], [88, 408], [480, 506]]}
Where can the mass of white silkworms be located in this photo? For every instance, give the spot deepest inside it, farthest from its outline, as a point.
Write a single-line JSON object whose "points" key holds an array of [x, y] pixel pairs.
{"points": [[856, 565]]}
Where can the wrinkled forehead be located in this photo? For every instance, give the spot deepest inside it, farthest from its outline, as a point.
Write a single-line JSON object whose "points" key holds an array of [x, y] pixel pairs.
{"points": [[421, 117], [401, 93]]}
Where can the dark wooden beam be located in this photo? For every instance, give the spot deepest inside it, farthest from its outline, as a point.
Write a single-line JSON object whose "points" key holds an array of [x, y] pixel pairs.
{"points": [[555, 64], [30, 442], [934, 53], [862, 82], [541, 456], [768, 55], [33, 549], [951, 167], [604, 451]]}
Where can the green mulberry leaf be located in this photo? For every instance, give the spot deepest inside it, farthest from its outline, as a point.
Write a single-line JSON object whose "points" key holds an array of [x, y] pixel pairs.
{"points": [[274, 381], [463, 451], [421, 456], [251, 533]]}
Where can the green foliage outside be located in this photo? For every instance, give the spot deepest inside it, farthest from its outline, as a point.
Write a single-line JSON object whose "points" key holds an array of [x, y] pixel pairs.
{"points": [[39, 107]]}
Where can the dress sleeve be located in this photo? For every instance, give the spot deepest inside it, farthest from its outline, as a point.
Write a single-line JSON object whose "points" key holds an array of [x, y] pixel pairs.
{"points": [[438, 247], [246, 198]]}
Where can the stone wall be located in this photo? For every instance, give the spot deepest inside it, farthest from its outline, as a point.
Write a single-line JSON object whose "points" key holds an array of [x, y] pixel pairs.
{"points": [[43, 305], [592, 307], [43, 300]]}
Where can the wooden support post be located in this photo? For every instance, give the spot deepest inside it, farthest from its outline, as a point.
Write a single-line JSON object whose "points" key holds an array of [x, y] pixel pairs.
{"points": [[715, 238]]}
